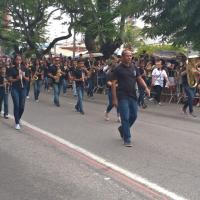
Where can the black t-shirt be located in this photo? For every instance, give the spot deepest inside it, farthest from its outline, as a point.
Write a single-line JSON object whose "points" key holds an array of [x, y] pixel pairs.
{"points": [[13, 72], [126, 79], [53, 71], [77, 74], [65, 70], [38, 69], [1, 82], [184, 80]]}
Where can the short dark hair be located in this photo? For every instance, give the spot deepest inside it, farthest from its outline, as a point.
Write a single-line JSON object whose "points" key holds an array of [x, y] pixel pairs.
{"points": [[125, 51], [160, 60]]}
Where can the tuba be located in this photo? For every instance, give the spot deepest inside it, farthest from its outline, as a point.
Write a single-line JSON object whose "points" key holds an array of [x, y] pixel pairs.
{"points": [[191, 77]]}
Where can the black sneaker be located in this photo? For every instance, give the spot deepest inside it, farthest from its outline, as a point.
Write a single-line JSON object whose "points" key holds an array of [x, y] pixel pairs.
{"points": [[82, 112], [184, 110], [128, 144], [193, 115], [144, 106], [6, 116], [120, 131]]}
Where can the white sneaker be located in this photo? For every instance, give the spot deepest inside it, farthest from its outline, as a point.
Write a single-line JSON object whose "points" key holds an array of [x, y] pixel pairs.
{"points": [[106, 116], [37, 101], [17, 127], [28, 97]]}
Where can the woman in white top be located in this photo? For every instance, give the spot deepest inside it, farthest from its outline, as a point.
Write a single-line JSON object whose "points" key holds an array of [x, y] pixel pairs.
{"points": [[158, 77]]}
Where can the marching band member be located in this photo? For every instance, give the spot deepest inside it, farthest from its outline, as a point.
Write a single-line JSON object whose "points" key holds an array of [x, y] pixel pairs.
{"points": [[189, 82], [109, 74], [37, 77], [79, 76], [55, 74], [4, 90], [19, 77]]}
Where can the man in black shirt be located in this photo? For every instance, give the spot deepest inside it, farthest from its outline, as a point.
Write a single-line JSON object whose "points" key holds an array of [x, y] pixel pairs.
{"points": [[79, 76], [55, 74], [37, 77], [126, 75]]}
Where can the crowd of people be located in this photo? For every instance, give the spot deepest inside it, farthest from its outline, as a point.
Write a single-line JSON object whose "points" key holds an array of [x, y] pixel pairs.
{"points": [[125, 79]]}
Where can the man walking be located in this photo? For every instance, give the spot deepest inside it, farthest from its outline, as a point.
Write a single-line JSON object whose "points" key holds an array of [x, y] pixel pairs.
{"points": [[126, 75]]}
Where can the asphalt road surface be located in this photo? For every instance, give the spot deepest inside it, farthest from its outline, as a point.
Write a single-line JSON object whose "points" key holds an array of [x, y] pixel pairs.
{"points": [[166, 146]]}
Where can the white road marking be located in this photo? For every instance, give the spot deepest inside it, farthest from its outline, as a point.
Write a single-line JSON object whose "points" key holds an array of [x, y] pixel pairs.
{"points": [[106, 163]]}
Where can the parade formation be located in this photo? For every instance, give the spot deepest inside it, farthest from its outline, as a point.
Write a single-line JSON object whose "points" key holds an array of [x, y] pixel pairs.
{"points": [[59, 59]]}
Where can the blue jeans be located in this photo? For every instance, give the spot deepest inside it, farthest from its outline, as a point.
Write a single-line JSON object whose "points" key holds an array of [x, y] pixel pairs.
{"points": [[64, 86], [190, 92], [90, 87], [141, 96], [18, 97], [56, 93], [80, 94], [74, 88], [110, 104], [4, 100], [28, 88], [128, 108], [46, 83], [37, 86]]}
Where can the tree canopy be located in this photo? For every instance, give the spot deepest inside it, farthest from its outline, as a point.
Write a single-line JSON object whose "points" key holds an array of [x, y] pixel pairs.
{"points": [[176, 21]]}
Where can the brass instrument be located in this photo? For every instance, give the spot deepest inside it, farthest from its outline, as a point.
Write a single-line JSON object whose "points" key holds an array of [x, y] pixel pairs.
{"points": [[21, 76], [35, 76], [58, 75], [6, 83], [191, 77]]}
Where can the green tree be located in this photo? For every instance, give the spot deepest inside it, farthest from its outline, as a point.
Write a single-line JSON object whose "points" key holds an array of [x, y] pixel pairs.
{"points": [[176, 21], [103, 22], [132, 36], [26, 30]]}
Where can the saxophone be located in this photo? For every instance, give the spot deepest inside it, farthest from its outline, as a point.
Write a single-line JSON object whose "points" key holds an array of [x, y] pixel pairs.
{"points": [[191, 77], [6, 83], [58, 75]]}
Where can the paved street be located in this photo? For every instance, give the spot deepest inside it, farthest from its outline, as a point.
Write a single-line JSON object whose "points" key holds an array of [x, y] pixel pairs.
{"points": [[165, 151]]}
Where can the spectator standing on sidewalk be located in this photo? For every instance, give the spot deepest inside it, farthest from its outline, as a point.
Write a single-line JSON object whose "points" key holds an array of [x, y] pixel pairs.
{"points": [[158, 77], [126, 75]]}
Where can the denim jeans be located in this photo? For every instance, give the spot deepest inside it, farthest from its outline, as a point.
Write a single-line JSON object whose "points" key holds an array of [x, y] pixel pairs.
{"points": [[190, 92], [28, 88], [74, 88], [37, 87], [4, 101], [46, 83], [64, 86], [110, 104], [80, 94], [141, 96], [90, 87], [56, 93], [157, 89], [18, 97], [128, 108]]}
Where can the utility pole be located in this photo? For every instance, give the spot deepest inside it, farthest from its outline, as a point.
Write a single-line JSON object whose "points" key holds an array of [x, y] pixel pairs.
{"points": [[74, 44]]}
